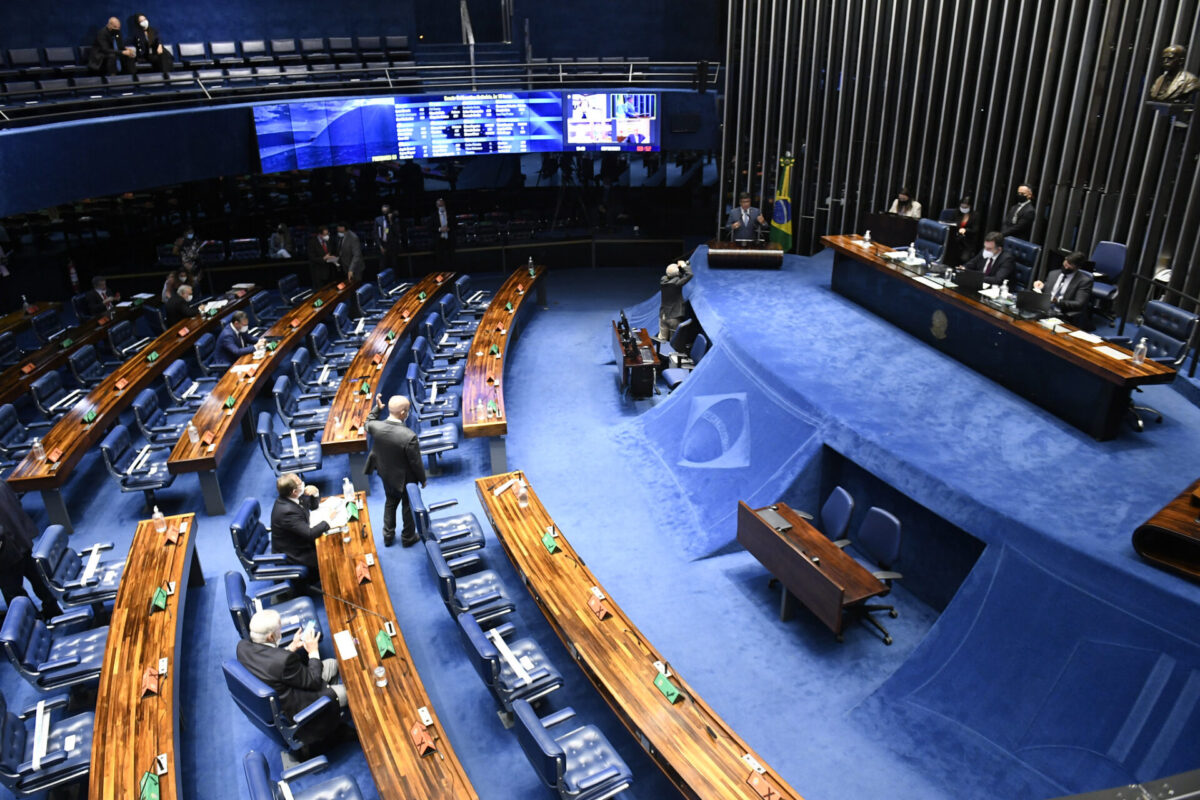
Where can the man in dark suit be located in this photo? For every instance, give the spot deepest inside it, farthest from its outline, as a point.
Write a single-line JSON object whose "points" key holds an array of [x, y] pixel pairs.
{"points": [[396, 455], [149, 46], [291, 533], [349, 253], [233, 343], [1018, 220], [179, 305], [670, 310], [99, 301], [745, 220], [1070, 289], [383, 233], [17, 533], [993, 261], [443, 234], [321, 258], [296, 672], [109, 53]]}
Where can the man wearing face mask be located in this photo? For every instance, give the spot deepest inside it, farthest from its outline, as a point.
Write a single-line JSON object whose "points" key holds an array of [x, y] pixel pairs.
{"points": [[291, 535], [321, 258], [233, 343], [187, 247], [109, 54], [1070, 289], [996, 265], [149, 46], [1018, 220], [349, 253], [396, 454]]}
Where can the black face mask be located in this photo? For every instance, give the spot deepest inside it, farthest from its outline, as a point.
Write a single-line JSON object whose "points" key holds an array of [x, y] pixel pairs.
{"points": [[1068, 269], [1022, 198]]}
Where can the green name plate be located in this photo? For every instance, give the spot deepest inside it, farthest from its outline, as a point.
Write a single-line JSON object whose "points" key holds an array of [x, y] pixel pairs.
{"points": [[137, 301], [67, 343], [230, 401], [352, 510], [391, 335], [272, 345], [421, 296], [365, 388], [550, 542], [664, 685], [532, 272], [159, 601], [318, 303], [495, 350], [149, 788], [90, 416], [153, 356], [383, 643]]}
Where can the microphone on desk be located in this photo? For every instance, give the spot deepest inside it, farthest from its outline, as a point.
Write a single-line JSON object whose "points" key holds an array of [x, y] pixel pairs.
{"points": [[350, 603]]}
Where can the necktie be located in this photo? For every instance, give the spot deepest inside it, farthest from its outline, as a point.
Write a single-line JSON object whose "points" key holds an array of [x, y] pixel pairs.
{"points": [[1060, 288], [987, 265], [745, 218], [325, 247]]}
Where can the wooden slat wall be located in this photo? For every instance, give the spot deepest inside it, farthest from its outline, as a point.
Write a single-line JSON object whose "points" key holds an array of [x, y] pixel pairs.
{"points": [[951, 97]]}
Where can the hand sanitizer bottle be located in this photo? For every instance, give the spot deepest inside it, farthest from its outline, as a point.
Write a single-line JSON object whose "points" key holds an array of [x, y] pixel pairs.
{"points": [[193, 434], [867, 237], [347, 490], [160, 524], [38, 451], [522, 495], [1139, 352], [912, 250]]}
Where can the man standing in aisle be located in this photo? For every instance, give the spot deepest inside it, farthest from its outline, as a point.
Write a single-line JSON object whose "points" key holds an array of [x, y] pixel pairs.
{"points": [[443, 235], [396, 454], [321, 258], [670, 310], [349, 253]]}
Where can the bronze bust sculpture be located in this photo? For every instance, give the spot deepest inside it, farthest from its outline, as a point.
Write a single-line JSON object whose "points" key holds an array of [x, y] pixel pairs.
{"points": [[1174, 84]]}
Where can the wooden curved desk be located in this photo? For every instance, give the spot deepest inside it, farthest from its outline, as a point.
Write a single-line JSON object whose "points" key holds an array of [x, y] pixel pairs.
{"points": [[1170, 540], [693, 746], [346, 428], [74, 437], [385, 717], [484, 369], [17, 320], [132, 728], [17, 379], [243, 381]]}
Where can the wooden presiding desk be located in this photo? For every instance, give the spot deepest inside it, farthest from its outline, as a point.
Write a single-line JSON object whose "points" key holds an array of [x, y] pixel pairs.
{"points": [[17, 379], [242, 382], [346, 429], [1062, 373], [808, 565], [638, 372], [485, 363], [1170, 540], [134, 726], [388, 720], [16, 320], [74, 436], [752, 255], [693, 746]]}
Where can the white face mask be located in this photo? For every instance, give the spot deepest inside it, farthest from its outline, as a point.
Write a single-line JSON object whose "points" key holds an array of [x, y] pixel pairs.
{"points": [[989, 254], [145, 24], [964, 209]]}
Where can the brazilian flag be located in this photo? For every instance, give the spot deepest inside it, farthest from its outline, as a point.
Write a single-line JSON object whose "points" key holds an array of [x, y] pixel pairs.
{"points": [[781, 219]]}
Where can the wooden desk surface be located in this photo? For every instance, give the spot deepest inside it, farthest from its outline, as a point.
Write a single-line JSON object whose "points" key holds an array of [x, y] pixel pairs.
{"points": [[346, 428], [641, 339], [75, 437], [17, 379], [481, 378], [384, 716], [213, 416], [1078, 352], [16, 320], [1171, 538], [696, 750], [131, 729]]}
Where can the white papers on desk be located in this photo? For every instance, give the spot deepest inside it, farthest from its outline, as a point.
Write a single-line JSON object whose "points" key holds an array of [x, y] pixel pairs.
{"points": [[242, 368], [1050, 323], [143, 296], [928, 282], [1090, 338], [216, 304], [895, 255], [41, 735], [344, 642], [243, 286], [1111, 353], [331, 511], [125, 304], [89, 569]]}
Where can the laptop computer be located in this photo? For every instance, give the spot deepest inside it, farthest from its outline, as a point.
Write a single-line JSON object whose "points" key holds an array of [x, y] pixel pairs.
{"points": [[969, 281], [1032, 305]]}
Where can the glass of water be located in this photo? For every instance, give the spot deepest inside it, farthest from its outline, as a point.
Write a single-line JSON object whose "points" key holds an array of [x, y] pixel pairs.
{"points": [[380, 677]]}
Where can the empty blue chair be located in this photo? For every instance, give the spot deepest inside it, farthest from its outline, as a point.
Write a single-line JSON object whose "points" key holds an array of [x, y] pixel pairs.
{"points": [[444, 344], [86, 366], [66, 651], [1168, 330], [835, 515], [122, 340], [51, 397], [290, 290], [264, 311], [10, 352], [1025, 256], [475, 302], [673, 376], [678, 349], [878, 542], [292, 409], [347, 331], [324, 350], [141, 470], [155, 319], [443, 371], [458, 323], [455, 534], [434, 439], [521, 673], [59, 767], [16, 437], [574, 760], [389, 285], [314, 377], [293, 613], [258, 781], [480, 594], [930, 243], [252, 544], [430, 404], [158, 425], [369, 305], [184, 390], [260, 703], [67, 573], [278, 450], [47, 326], [206, 356], [80, 306], [1108, 262]]}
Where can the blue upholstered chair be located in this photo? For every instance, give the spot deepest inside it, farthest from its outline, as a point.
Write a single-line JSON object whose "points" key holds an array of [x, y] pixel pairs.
{"points": [[308, 373], [366, 297], [930, 243], [47, 326], [62, 569], [444, 343], [459, 322], [252, 545], [344, 330], [325, 351], [259, 702], [136, 470], [835, 515], [122, 340], [1026, 256], [574, 760], [680, 345], [59, 766], [80, 307], [290, 290], [277, 449], [480, 594], [473, 301], [456, 534], [15, 436], [66, 651], [258, 781], [878, 545], [443, 371], [158, 425], [10, 351], [51, 397], [426, 404], [206, 356], [184, 390], [434, 439], [1168, 331], [87, 368], [673, 376], [299, 411], [526, 675], [389, 285], [1108, 262], [155, 319], [293, 612], [264, 311]]}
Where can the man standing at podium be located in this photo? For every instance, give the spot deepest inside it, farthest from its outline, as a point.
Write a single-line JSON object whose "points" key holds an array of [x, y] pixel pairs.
{"points": [[745, 220]]}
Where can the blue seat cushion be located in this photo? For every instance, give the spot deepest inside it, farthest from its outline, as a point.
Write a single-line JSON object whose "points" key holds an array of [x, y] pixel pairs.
{"points": [[471, 588], [588, 753], [527, 648]]}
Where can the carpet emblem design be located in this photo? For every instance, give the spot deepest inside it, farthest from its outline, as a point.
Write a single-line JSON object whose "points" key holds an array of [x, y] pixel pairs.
{"points": [[717, 434], [938, 324]]}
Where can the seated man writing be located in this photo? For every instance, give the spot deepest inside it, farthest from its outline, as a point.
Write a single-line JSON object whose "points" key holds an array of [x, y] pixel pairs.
{"points": [[1070, 289]]}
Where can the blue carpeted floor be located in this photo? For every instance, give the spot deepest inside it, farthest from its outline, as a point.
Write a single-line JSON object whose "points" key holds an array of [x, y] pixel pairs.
{"points": [[1062, 663]]}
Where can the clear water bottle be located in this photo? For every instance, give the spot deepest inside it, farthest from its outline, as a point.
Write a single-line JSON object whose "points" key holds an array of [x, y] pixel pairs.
{"points": [[1139, 352], [480, 409], [193, 434], [522, 495], [381, 677], [1004, 295], [912, 250], [867, 237], [530, 262], [160, 524], [38, 451], [347, 490], [25, 304]]}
